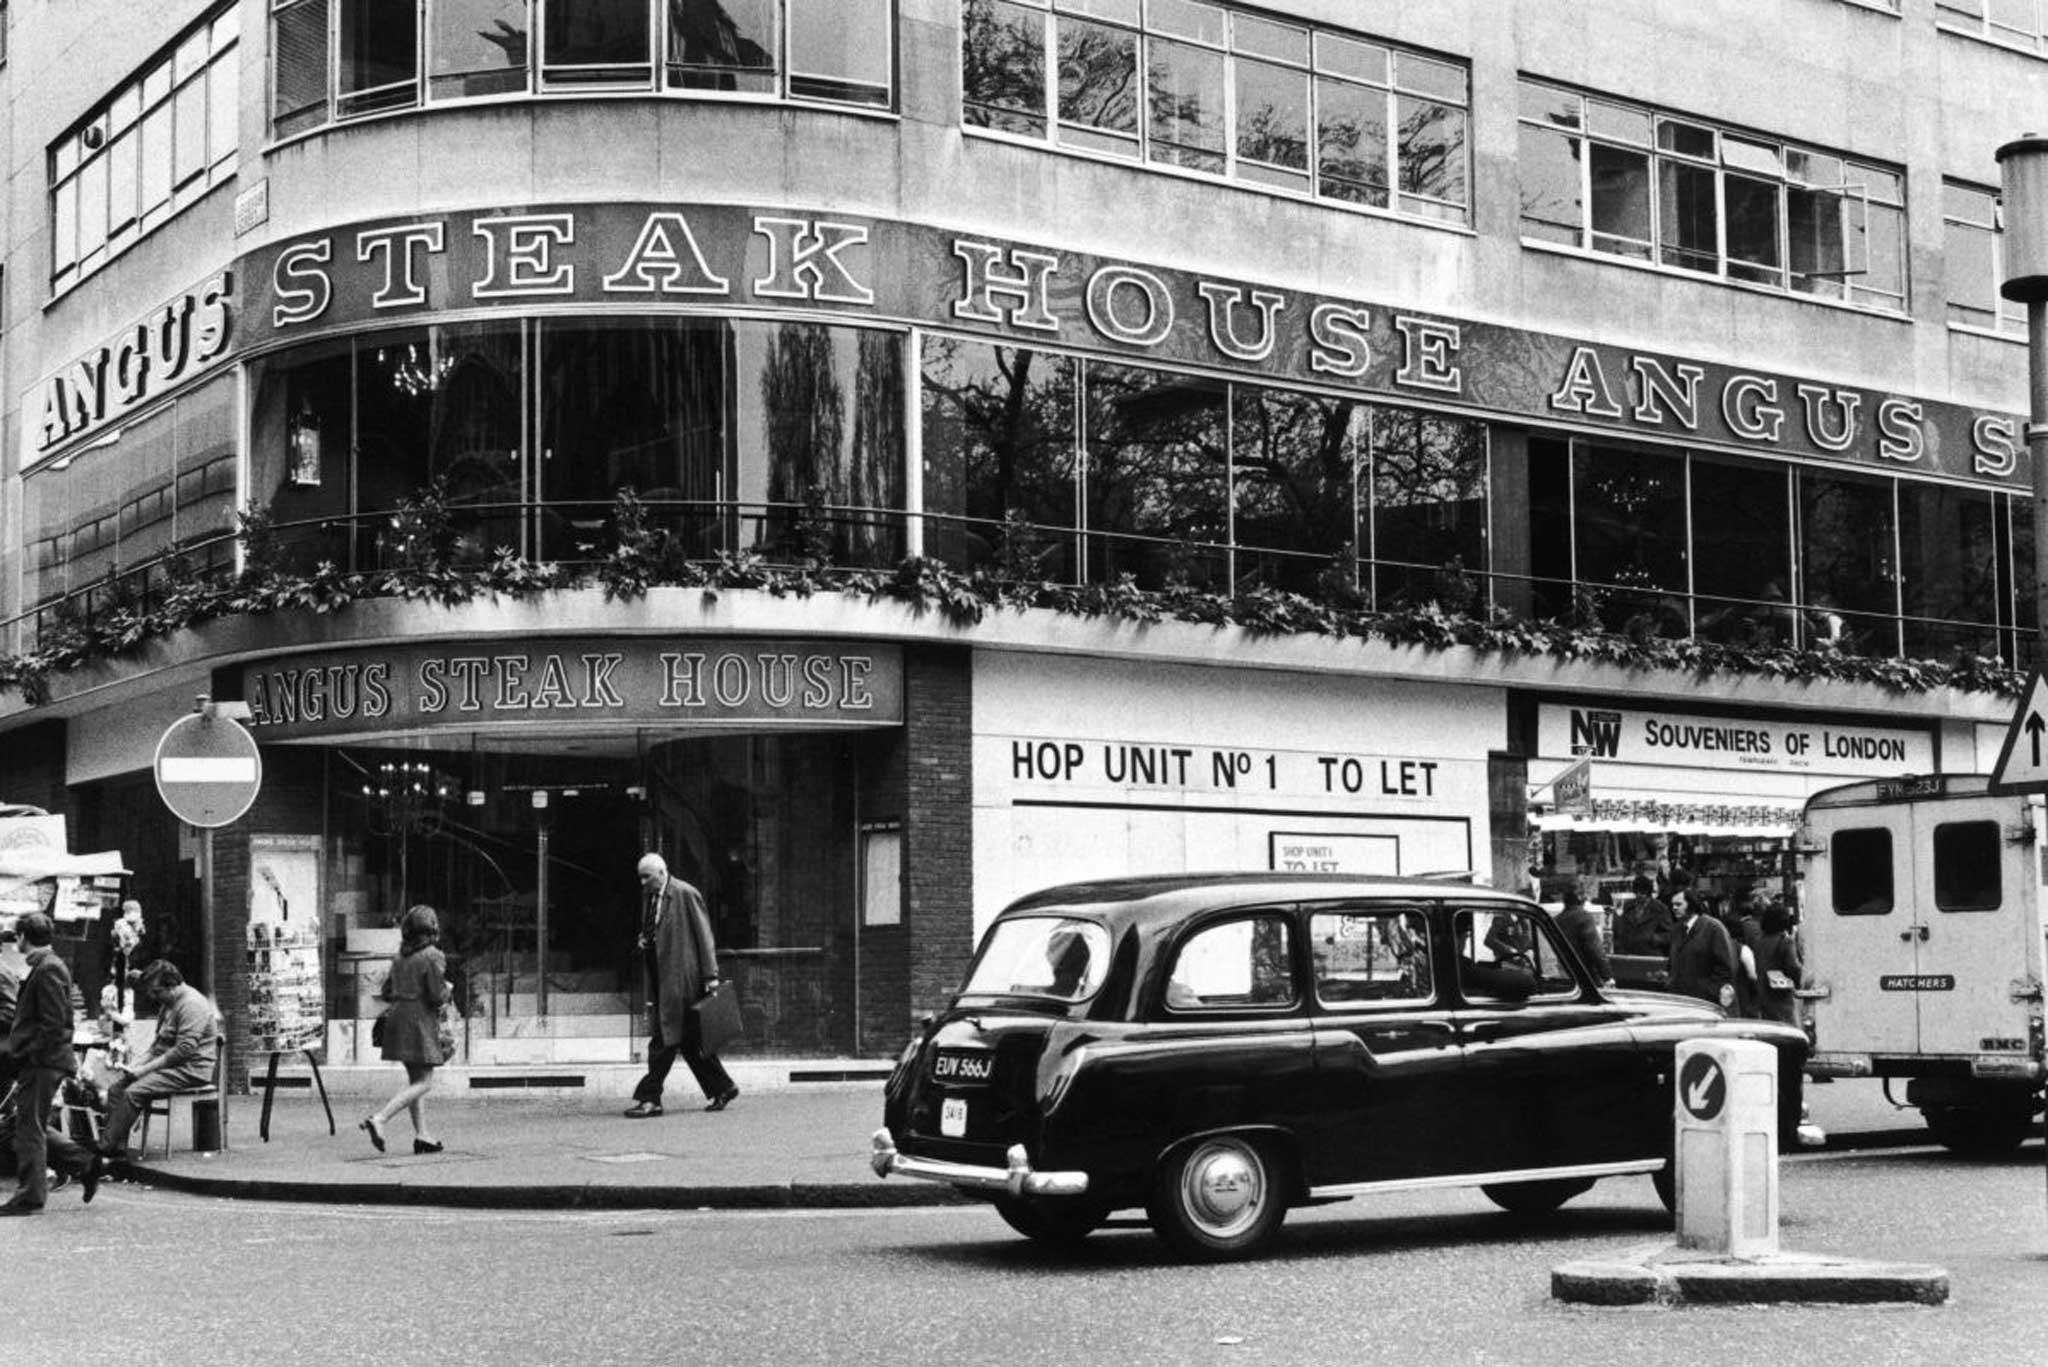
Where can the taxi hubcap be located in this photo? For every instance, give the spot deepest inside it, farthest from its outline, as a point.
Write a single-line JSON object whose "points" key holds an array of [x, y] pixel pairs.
{"points": [[1224, 1185]]}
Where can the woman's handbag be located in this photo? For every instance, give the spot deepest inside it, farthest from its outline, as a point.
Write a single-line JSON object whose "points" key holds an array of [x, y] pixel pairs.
{"points": [[445, 1037], [717, 1014]]}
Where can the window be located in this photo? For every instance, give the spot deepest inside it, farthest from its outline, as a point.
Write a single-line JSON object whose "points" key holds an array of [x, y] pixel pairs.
{"points": [[1300, 108], [1238, 964], [1860, 878], [1510, 956], [150, 149], [1967, 860], [341, 59], [1625, 181], [2015, 23], [1062, 957], [1848, 541], [1371, 954], [1973, 260]]}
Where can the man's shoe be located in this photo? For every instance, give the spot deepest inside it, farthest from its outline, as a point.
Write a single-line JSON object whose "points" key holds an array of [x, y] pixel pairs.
{"points": [[89, 1180], [643, 1110], [724, 1099], [20, 1208], [59, 1180]]}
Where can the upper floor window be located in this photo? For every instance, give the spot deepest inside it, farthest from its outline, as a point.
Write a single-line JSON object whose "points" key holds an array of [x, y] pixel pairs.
{"points": [[1972, 254], [1635, 182], [2016, 23], [395, 54], [1311, 110], [155, 145]]}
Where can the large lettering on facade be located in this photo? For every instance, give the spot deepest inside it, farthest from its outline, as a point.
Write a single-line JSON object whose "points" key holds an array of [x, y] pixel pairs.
{"points": [[709, 257], [169, 345], [549, 683]]}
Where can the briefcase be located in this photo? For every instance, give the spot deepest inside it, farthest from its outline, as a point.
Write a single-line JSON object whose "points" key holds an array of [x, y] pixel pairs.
{"points": [[717, 1014]]}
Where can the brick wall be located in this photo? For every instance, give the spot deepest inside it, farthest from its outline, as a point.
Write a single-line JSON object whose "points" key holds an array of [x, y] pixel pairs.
{"points": [[938, 845]]}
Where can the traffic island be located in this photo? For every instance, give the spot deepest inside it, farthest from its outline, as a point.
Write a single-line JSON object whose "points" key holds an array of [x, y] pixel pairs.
{"points": [[1725, 1154], [1670, 1275]]}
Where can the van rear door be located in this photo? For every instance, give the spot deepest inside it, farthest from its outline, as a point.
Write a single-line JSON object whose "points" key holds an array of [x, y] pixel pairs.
{"points": [[1863, 934], [1973, 897]]}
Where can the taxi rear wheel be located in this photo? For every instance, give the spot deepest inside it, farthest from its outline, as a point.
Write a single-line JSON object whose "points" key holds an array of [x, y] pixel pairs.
{"points": [[1535, 1198], [1051, 1221], [1217, 1198]]}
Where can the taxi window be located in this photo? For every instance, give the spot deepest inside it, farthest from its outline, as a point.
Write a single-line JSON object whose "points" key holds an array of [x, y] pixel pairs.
{"points": [[1370, 954], [1861, 861], [1246, 962], [1510, 955], [1042, 956]]}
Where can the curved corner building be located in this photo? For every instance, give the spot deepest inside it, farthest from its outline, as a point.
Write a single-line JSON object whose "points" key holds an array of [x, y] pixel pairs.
{"points": [[1063, 438]]}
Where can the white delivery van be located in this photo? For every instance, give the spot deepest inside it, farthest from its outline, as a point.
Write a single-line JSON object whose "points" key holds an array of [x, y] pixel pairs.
{"points": [[1923, 921]]}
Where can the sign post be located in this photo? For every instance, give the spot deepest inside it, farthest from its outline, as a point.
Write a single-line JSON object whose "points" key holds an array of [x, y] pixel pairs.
{"points": [[208, 772], [2023, 175]]}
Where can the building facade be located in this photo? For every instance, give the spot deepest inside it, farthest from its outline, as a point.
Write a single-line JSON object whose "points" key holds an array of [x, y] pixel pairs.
{"points": [[1167, 332]]}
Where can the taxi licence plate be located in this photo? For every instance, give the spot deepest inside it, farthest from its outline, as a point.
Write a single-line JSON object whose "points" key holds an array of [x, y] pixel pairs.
{"points": [[953, 1117]]}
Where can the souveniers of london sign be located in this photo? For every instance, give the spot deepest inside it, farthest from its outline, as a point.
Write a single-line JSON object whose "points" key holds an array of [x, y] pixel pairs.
{"points": [[558, 683], [713, 258]]}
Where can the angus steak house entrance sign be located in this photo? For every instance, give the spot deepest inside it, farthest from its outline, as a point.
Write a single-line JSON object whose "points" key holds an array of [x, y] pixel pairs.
{"points": [[569, 682], [711, 258]]}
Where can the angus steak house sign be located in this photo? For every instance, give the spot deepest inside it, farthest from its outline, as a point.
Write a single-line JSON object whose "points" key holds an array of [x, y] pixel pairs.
{"points": [[572, 682], [710, 257]]}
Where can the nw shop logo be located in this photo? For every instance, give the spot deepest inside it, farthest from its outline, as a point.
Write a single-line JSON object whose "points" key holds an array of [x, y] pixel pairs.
{"points": [[1596, 733]]}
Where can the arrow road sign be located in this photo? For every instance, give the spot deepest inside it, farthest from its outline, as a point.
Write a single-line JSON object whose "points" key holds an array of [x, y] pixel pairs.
{"points": [[1702, 1086], [2023, 759]]}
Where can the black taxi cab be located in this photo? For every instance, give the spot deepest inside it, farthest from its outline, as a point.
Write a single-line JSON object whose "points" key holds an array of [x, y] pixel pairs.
{"points": [[1216, 1049]]}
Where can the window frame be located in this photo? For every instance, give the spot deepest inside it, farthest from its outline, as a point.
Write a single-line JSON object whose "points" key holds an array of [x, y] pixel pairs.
{"points": [[153, 103], [1146, 146], [1682, 145], [539, 79], [1286, 917]]}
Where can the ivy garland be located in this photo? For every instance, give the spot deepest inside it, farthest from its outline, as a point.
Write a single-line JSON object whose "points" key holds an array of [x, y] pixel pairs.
{"points": [[434, 563]]}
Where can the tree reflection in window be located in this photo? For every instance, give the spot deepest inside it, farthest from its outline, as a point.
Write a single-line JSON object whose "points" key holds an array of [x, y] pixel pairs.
{"points": [[1002, 66], [1157, 478], [1098, 85], [999, 458], [828, 495], [1295, 476], [1428, 497]]}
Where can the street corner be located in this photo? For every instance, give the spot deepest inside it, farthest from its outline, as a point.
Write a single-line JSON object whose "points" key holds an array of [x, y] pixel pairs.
{"points": [[1677, 1276]]}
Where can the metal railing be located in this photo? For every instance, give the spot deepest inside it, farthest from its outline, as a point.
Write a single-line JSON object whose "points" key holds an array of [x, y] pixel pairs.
{"points": [[581, 535]]}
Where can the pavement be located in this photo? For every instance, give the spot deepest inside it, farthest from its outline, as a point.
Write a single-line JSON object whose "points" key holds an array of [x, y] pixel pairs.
{"points": [[783, 1143]]}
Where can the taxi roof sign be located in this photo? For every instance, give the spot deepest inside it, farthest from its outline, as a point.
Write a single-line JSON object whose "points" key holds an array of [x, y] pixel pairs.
{"points": [[2023, 759]]}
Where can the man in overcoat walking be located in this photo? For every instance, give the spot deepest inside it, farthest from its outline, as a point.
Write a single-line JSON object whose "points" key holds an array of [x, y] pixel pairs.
{"points": [[41, 1043], [682, 965]]}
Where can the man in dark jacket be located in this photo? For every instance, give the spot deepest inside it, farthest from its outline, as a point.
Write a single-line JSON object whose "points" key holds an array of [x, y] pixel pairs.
{"points": [[1644, 927], [1703, 962], [1582, 928], [682, 965], [41, 1043]]}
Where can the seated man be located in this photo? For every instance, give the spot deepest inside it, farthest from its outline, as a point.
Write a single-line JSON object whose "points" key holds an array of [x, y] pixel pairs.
{"points": [[181, 1057]]}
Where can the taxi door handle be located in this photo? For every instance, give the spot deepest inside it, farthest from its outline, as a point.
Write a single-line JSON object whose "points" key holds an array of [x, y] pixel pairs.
{"points": [[1483, 1027], [1907, 936]]}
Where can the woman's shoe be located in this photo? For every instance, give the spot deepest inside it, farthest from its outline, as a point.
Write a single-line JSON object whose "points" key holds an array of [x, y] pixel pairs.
{"points": [[374, 1130], [427, 1146]]}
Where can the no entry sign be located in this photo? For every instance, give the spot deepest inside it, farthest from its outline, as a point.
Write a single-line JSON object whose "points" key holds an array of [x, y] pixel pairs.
{"points": [[208, 769]]}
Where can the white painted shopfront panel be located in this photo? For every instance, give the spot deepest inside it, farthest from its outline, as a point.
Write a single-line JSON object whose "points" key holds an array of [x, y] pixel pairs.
{"points": [[1093, 769]]}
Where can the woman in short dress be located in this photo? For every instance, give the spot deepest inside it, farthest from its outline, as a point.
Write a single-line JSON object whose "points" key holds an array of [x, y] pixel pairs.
{"points": [[417, 988]]}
